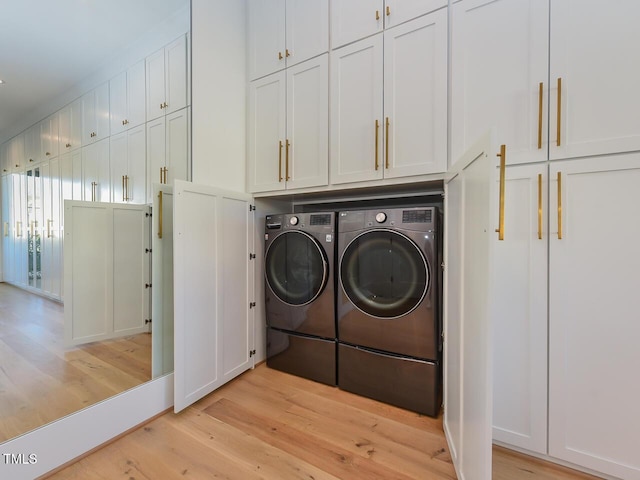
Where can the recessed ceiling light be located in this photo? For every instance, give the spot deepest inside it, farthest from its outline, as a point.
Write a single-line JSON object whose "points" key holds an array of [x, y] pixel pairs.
{"points": [[1, 81]]}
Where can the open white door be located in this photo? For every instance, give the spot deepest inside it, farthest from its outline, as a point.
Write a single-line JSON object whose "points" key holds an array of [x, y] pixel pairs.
{"points": [[470, 203], [213, 289], [162, 281]]}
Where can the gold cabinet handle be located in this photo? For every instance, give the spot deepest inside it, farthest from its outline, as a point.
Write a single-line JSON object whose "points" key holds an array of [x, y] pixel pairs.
{"points": [[540, 94], [377, 128], [18, 229], [503, 163], [286, 52], [165, 170], [93, 191], [386, 145], [160, 214], [559, 206], [123, 188], [377, 15], [388, 11], [160, 174], [6, 229], [47, 154], [161, 106], [126, 187], [68, 145], [31, 226], [559, 110], [539, 206], [279, 160], [166, 105], [280, 57], [286, 160], [49, 222]]}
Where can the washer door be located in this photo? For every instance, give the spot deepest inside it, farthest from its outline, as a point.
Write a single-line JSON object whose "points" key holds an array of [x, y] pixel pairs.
{"points": [[384, 273], [296, 269]]}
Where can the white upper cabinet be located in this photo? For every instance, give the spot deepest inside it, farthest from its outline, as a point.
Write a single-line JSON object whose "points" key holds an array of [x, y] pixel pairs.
{"points": [[288, 125], [283, 33], [596, 111], [70, 127], [5, 165], [95, 114], [388, 111], [17, 154], [356, 19], [127, 99], [32, 145], [49, 137], [128, 166], [498, 65], [166, 79]]}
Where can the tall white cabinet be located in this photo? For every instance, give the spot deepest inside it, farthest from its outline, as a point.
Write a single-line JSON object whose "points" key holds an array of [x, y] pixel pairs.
{"points": [[166, 79]]}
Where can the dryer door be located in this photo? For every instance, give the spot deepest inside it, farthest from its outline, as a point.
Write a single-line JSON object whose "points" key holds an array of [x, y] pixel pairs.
{"points": [[296, 268], [384, 273]]}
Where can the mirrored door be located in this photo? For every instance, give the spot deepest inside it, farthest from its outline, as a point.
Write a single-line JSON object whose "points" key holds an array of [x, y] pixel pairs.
{"points": [[34, 222]]}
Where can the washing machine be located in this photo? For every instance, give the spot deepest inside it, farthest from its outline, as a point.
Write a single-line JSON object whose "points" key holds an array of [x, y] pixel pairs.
{"points": [[388, 306], [300, 294]]}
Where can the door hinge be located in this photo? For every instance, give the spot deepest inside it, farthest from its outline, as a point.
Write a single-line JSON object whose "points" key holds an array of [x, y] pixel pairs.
{"points": [[442, 266], [251, 353], [147, 250], [147, 214], [252, 256], [147, 321], [252, 208], [252, 304], [147, 285]]}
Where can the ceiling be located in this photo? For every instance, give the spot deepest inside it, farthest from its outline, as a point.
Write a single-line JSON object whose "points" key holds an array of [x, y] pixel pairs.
{"points": [[48, 46]]}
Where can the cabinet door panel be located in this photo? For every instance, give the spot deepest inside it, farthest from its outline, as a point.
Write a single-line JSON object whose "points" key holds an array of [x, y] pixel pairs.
{"points": [[499, 57], [177, 146], [156, 152], [520, 318], [118, 102], [593, 305], [599, 103], [415, 97], [355, 19], [102, 111], [155, 73], [7, 228], [136, 181], [266, 27], [118, 151], [267, 130], [136, 95], [95, 169], [356, 105], [307, 29], [176, 75], [308, 123], [400, 11]]}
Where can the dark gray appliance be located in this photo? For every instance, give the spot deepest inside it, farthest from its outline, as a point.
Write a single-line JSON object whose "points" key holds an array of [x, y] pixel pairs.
{"points": [[388, 306], [300, 294]]}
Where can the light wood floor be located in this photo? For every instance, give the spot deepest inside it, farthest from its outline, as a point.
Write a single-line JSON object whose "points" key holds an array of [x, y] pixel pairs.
{"points": [[270, 425], [40, 380]]}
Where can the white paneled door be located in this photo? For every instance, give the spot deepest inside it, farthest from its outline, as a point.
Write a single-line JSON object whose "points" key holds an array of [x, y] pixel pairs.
{"points": [[213, 289], [470, 203]]}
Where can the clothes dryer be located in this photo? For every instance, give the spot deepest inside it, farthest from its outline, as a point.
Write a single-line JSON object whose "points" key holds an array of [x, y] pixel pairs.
{"points": [[299, 294], [388, 306]]}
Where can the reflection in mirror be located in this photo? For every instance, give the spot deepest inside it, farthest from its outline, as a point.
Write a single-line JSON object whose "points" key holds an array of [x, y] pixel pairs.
{"points": [[43, 377]]}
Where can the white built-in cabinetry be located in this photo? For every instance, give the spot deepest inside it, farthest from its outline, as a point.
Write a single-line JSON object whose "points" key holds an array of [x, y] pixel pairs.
{"points": [[282, 33], [288, 125], [128, 175], [166, 79], [70, 127], [95, 114], [168, 149], [569, 205], [96, 186], [388, 111], [127, 99]]}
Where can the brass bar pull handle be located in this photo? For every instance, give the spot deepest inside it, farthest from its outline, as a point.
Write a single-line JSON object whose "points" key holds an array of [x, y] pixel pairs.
{"points": [[49, 222], [123, 189], [286, 160], [93, 191], [165, 170], [160, 174], [19, 229], [388, 11], [6, 229], [68, 145], [377, 15], [377, 128], [126, 188], [31, 226], [287, 53], [540, 94], [279, 160], [559, 206], [503, 163], [280, 57], [539, 206], [386, 145], [559, 110], [160, 214]]}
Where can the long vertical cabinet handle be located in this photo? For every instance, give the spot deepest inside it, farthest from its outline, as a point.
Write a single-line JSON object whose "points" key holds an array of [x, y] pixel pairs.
{"points": [[377, 128], [286, 160], [279, 160], [540, 94], [160, 214], [503, 163], [166, 170], [18, 229], [559, 206], [123, 190], [49, 222], [31, 225], [386, 144], [559, 110], [539, 206], [161, 171], [126, 187]]}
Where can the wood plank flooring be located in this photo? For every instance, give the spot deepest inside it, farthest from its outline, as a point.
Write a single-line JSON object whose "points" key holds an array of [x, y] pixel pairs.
{"points": [[40, 380], [267, 424]]}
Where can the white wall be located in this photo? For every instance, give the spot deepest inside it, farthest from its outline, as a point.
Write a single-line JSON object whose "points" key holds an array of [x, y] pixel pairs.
{"points": [[218, 94]]}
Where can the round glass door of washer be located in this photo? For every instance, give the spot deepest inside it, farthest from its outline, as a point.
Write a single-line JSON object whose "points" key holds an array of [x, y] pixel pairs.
{"points": [[296, 269], [384, 273]]}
